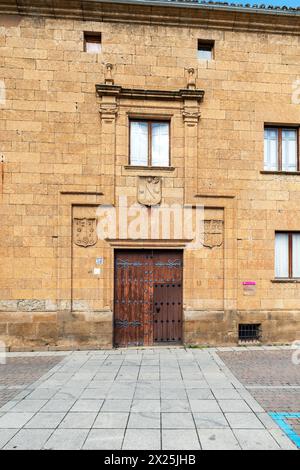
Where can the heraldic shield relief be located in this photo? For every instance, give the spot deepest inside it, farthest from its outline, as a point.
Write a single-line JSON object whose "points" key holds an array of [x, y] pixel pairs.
{"points": [[213, 233], [149, 190], [85, 232]]}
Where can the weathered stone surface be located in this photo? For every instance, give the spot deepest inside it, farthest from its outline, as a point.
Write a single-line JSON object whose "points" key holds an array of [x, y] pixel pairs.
{"points": [[62, 159], [31, 305]]}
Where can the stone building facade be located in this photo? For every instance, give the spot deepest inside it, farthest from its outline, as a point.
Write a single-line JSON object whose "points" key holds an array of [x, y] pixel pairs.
{"points": [[78, 81]]}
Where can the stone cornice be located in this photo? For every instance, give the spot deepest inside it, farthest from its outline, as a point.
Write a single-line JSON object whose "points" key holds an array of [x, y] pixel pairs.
{"points": [[172, 13], [118, 91]]}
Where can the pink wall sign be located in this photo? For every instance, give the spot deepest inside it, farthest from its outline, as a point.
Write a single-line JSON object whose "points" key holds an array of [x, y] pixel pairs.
{"points": [[249, 283]]}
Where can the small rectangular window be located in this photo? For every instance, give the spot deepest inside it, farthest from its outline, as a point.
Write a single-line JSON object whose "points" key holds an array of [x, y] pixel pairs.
{"points": [[287, 255], [205, 49], [92, 43], [249, 332], [149, 143], [281, 149]]}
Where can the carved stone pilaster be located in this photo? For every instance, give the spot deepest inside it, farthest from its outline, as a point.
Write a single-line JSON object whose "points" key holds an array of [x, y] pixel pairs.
{"points": [[109, 110], [191, 116], [109, 105]]}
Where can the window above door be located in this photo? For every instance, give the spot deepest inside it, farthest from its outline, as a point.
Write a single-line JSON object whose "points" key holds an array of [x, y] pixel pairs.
{"points": [[149, 143], [281, 149]]}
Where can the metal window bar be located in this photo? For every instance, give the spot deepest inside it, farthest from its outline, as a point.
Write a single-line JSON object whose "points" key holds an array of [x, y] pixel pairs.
{"points": [[249, 332]]}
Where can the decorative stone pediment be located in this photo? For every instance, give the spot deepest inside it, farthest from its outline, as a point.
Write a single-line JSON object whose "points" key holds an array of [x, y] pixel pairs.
{"points": [[136, 93]]}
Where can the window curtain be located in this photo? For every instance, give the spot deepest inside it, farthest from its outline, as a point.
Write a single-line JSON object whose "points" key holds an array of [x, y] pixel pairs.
{"points": [[139, 143], [296, 254], [289, 150], [271, 149], [281, 255], [160, 144], [93, 47]]}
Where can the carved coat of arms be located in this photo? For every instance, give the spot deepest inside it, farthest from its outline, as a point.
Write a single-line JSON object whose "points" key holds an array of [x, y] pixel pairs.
{"points": [[213, 233], [149, 190], [85, 232]]}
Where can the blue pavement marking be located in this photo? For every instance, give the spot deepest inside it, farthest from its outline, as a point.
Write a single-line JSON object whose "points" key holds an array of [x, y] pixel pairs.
{"points": [[280, 419]]}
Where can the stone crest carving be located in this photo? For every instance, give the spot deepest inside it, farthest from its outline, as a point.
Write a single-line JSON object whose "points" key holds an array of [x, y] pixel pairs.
{"points": [[149, 190], [213, 233], [84, 232]]}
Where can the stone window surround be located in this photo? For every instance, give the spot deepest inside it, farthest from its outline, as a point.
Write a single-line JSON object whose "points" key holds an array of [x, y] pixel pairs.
{"points": [[115, 98]]}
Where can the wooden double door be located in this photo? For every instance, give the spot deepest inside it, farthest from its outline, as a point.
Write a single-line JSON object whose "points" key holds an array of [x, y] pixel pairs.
{"points": [[148, 297]]}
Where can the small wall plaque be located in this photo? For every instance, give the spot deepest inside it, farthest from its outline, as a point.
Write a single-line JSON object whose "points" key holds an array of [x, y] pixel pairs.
{"points": [[249, 287]]}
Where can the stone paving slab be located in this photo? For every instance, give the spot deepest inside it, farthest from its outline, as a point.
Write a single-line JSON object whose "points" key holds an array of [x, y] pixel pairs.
{"points": [[158, 398], [180, 439], [257, 439], [29, 439], [218, 439], [74, 439]]}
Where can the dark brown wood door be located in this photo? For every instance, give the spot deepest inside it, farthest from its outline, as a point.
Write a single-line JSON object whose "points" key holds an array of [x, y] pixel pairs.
{"points": [[148, 297], [167, 297]]}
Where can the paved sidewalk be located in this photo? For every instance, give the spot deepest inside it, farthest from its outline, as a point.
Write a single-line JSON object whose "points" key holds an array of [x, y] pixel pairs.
{"points": [[137, 399]]}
